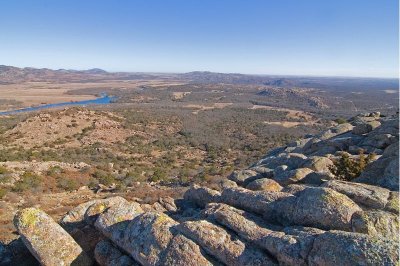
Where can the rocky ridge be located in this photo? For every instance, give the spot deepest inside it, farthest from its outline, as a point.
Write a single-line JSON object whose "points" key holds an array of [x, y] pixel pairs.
{"points": [[286, 209]]}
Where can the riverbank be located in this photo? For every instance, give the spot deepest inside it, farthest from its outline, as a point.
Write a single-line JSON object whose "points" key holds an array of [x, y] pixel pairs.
{"points": [[104, 99]]}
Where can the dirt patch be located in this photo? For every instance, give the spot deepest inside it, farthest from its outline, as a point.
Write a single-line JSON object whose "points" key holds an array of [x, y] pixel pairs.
{"points": [[206, 107], [292, 114], [289, 124]]}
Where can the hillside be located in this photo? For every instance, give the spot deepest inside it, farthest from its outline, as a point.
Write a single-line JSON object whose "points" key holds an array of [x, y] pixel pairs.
{"points": [[330, 198]]}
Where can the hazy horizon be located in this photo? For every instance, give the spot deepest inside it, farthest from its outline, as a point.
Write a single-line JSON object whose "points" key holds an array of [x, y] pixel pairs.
{"points": [[287, 38]]}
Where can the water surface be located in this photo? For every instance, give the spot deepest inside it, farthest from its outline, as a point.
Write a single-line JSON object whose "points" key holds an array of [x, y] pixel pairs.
{"points": [[103, 99]]}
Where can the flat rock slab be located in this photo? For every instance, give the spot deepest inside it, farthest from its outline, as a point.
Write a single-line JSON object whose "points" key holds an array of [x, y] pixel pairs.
{"points": [[367, 195], [219, 243]]}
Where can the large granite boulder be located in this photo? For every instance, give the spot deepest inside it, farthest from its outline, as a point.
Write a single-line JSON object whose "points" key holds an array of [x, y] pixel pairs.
{"points": [[384, 171], [184, 252], [376, 223], [365, 127], [113, 221], [393, 203], [225, 247], [47, 240], [201, 196], [322, 208], [254, 201], [77, 215], [146, 237], [344, 248], [292, 176], [264, 184], [243, 177], [289, 250], [98, 207], [318, 164], [363, 194]]}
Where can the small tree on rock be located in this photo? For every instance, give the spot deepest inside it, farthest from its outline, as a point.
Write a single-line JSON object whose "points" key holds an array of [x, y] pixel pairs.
{"points": [[347, 168]]}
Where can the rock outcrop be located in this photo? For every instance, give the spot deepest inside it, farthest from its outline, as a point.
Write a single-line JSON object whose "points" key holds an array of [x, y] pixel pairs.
{"points": [[287, 209], [47, 240]]}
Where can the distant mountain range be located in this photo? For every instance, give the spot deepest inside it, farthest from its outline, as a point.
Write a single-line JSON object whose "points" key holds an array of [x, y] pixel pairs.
{"points": [[10, 75]]}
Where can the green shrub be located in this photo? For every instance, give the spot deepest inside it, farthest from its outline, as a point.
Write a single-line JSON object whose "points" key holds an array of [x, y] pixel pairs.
{"points": [[67, 183], [347, 168], [130, 178], [55, 170], [3, 192], [104, 177], [3, 170], [158, 175], [28, 181], [340, 120]]}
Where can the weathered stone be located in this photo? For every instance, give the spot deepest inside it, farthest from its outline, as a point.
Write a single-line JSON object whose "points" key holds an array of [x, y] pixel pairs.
{"points": [[106, 254], [263, 171], [302, 231], [366, 127], [288, 250], [241, 177], [317, 178], [389, 126], [318, 164], [376, 174], [226, 183], [344, 248], [393, 203], [87, 237], [292, 160], [157, 207], [47, 240], [146, 237], [147, 207], [112, 222], [201, 196], [264, 184], [376, 223], [392, 150], [292, 176], [77, 214], [337, 130], [294, 189], [168, 203], [280, 170], [254, 201], [94, 210], [380, 141], [367, 195], [324, 208], [223, 246], [183, 252]]}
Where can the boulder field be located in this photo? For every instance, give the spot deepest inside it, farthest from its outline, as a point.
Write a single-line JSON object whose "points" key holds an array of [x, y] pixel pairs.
{"points": [[286, 209]]}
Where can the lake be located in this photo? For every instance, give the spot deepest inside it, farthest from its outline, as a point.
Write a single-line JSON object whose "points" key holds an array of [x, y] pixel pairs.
{"points": [[103, 99]]}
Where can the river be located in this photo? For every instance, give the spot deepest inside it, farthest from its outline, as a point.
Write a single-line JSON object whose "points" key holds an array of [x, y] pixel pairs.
{"points": [[103, 99]]}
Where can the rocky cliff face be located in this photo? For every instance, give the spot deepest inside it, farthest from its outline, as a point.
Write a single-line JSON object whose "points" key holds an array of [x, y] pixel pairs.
{"points": [[286, 209]]}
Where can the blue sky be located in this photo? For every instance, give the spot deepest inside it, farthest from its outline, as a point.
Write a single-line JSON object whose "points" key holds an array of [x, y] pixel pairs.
{"points": [[288, 37]]}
